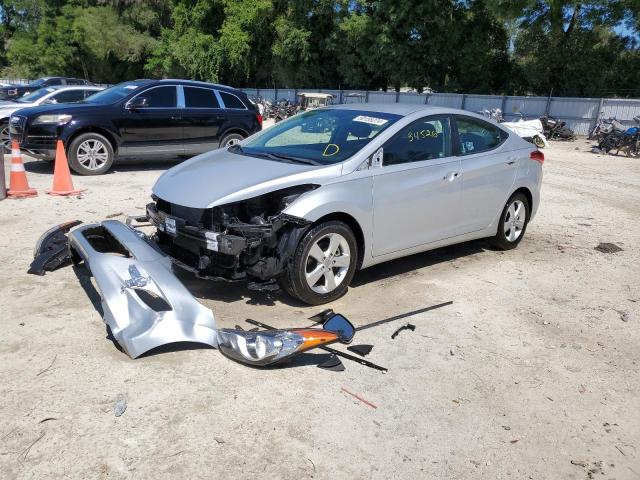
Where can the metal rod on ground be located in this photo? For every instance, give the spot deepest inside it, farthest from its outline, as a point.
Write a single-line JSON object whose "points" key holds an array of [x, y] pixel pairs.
{"points": [[402, 315], [348, 356]]}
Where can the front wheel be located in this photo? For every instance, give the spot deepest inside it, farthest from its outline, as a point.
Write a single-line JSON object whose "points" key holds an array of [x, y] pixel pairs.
{"points": [[513, 222], [323, 265], [538, 142], [90, 154], [5, 139]]}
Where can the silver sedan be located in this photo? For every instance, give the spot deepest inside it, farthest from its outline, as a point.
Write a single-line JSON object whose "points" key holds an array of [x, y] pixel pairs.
{"points": [[314, 198]]}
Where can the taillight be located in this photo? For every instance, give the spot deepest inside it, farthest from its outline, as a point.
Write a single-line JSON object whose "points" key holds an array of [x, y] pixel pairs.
{"points": [[538, 156], [259, 118]]}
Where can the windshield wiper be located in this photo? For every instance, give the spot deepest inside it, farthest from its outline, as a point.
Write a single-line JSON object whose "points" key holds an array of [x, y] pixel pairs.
{"points": [[280, 156], [272, 156]]}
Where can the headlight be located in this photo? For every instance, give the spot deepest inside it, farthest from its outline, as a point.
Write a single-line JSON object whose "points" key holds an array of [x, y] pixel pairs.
{"points": [[270, 346], [60, 119]]}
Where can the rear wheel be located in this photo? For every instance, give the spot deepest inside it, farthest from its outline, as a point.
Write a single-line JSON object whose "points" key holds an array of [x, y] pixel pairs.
{"points": [[323, 265], [513, 222], [90, 154], [231, 139]]}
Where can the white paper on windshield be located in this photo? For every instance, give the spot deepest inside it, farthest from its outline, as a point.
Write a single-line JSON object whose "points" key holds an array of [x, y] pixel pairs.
{"points": [[131, 87], [370, 120]]}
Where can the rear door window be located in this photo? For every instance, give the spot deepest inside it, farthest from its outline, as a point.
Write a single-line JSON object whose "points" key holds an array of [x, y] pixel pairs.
{"points": [[161, 97], [200, 98], [231, 101], [477, 136]]}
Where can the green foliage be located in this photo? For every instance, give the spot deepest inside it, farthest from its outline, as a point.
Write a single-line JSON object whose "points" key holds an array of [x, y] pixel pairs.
{"points": [[477, 46]]}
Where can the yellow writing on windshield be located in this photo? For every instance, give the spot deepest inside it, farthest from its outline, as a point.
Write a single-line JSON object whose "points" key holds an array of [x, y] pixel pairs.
{"points": [[330, 150], [419, 134]]}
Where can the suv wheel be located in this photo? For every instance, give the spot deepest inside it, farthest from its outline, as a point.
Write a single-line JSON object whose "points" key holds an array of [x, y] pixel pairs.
{"points": [[5, 139], [323, 265], [513, 222], [231, 139], [90, 154]]}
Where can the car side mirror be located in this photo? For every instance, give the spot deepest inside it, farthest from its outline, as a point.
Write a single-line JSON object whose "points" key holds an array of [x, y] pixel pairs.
{"points": [[375, 161], [50, 101], [138, 102], [341, 326]]}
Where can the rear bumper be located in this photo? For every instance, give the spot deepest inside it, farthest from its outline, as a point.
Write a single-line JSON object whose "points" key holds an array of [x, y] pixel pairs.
{"points": [[144, 304]]}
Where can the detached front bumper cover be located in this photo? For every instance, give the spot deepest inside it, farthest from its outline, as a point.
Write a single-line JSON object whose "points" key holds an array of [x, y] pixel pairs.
{"points": [[144, 304]]}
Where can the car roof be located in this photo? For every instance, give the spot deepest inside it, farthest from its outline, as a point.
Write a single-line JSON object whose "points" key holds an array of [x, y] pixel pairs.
{"points": [[74, 87], [404, 109], [181, 81]]}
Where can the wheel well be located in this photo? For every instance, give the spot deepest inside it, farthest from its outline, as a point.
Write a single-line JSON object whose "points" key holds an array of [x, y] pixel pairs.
{"points": [[106, 134], [234, 130], [353, 225], [527, 194]]}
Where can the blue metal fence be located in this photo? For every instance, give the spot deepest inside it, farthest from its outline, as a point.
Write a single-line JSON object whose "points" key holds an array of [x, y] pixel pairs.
{"points": [[581, 114]]}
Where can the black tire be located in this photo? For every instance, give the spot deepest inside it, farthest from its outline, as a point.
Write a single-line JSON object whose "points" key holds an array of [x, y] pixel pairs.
{"points": [[231, 139], [293, 280], [504, 240], [76, 151], [4, 137]]}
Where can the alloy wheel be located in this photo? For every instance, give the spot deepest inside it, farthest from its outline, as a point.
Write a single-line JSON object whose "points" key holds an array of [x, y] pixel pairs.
{"points": [[5, 139], [327, 263], [231, 142], [92, 154], [514, 220]]}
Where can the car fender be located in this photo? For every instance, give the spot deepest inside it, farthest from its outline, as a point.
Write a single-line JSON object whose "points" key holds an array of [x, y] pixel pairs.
{"points": [[350, 195], [76, 127]]}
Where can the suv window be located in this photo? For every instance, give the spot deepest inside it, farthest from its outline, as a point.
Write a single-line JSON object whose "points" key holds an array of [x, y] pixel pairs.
{"points": [[200, 98], [426, 139], [53, 81], [477, 136], [231, 101], [67, 97], [161, 97], [74, 81]]}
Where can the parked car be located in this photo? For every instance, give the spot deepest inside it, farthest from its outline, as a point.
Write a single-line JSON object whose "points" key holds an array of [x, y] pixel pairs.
{"points": [[44, 96], [11, 92], [142, 119], [309, 208]]}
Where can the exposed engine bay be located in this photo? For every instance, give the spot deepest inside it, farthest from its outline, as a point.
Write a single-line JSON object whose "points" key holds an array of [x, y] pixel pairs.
{"points": [[249, 239]]}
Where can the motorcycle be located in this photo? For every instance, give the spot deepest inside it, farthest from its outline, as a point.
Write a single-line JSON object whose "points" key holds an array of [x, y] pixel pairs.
{"points": [[556, 130], [621, 138]]}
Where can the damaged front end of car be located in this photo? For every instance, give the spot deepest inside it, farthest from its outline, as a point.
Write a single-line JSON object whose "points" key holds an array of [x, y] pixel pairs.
{"points": [[252, 239]]}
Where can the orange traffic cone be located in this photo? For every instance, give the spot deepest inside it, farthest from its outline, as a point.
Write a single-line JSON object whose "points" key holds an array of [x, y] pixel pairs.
{"points": [[62, 184], [18, 185]]}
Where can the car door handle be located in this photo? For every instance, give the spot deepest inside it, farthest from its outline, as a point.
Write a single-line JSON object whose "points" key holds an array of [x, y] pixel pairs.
{"points": [[451, 176], [173, 117], [511, 160]]}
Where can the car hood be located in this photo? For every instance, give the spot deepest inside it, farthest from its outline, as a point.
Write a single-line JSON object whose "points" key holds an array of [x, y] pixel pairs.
{"points": [[70, 108], [11, 107], [220, 177]]}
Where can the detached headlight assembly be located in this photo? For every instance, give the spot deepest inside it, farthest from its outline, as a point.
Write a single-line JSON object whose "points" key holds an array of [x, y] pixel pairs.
{"points": [[59, 119], [270, 346]]}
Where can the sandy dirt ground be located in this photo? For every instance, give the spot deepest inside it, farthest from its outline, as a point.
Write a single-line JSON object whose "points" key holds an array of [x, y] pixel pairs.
{"points": [[532, 373]]}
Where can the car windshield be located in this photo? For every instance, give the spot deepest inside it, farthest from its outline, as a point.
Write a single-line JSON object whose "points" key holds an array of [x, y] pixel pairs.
{"points": [[319, 137], [114, 94], [37, 95]]}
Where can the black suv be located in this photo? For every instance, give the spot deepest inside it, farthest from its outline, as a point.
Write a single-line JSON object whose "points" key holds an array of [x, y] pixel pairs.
{"points": [[142, 119], [13, 92]]}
